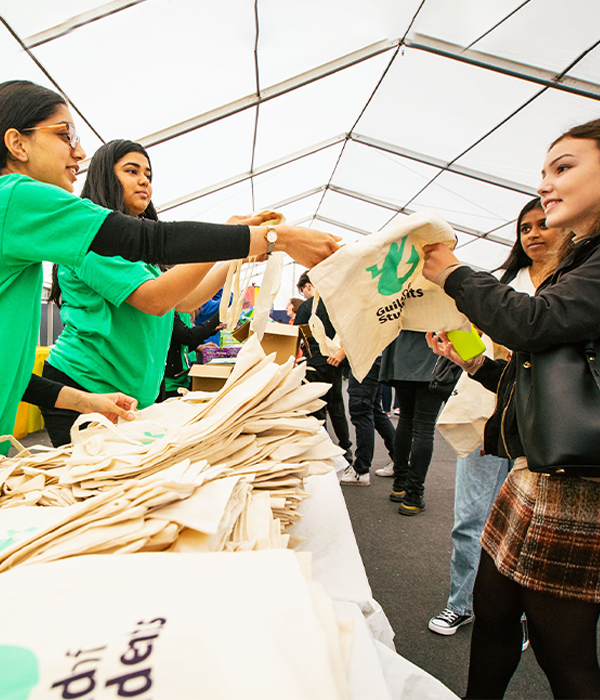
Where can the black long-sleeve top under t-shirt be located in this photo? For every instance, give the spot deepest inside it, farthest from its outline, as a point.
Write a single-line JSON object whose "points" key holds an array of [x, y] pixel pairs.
{"points": [[170, 243]]}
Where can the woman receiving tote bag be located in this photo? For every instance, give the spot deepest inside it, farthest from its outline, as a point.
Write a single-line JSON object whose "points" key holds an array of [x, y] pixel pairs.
{"points": [[479, 477], [541, 544]]}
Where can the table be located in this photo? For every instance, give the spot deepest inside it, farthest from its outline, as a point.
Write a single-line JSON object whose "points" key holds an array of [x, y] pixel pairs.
{"points": [[377, 671]]}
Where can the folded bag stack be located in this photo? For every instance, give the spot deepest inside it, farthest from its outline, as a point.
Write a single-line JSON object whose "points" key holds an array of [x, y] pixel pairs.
{"points": [[188, 475]]}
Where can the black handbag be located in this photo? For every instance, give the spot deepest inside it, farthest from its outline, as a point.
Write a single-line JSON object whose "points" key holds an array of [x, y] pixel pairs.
{"points": [[445, 376], [558, 409]]}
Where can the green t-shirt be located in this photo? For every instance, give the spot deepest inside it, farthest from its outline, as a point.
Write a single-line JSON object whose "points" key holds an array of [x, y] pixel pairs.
{"points": [[173, 383], [37, 222], [107, 344]]}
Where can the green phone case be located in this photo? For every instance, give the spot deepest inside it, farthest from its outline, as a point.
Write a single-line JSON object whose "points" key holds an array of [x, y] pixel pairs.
{"points": [[467, 344]]}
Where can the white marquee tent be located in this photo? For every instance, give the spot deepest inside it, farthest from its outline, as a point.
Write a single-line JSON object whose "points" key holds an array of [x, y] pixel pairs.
{"points": [[343, 114]]}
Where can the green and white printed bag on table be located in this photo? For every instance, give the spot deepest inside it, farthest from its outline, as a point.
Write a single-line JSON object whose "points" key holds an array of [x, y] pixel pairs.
{"points": [[374, 288], [170, 627]]}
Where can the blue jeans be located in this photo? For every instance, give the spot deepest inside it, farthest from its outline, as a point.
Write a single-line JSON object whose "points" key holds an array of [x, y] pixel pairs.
{"points": [[413, 444], [367, 415], [478, 480]]}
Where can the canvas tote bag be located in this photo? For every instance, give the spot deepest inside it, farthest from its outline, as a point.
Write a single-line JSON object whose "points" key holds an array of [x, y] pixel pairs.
{"points": [[374, 288], [215, 626], [466, 412]]}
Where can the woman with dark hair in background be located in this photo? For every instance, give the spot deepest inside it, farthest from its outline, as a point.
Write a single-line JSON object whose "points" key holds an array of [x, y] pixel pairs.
{"points": [[529, 262], [541, 543], [43, 220]]}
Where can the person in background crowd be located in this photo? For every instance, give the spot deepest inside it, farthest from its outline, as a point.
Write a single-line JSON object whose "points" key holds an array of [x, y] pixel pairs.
{"points": [[367, 415], [479, 477], [407, 364], [208, 311], [185, 338], [324, 369], [42, 220], [541, 543], [386, 403], [292, 308]]}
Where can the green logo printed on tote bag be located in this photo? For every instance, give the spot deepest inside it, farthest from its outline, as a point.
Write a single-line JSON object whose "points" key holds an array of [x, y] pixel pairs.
{"points": [[152, 437], [19, 672], [13, 537], [389, 282]]}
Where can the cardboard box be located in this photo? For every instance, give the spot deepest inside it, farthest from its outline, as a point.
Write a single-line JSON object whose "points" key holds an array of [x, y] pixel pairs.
{"points": [[210, 377], [278, 338]]}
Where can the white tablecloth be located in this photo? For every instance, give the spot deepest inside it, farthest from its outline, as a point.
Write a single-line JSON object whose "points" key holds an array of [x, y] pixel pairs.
{"points": [[377, 671]]}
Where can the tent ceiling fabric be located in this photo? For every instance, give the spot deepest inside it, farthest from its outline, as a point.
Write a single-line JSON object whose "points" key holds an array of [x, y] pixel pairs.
{"points": [[343, 114]]}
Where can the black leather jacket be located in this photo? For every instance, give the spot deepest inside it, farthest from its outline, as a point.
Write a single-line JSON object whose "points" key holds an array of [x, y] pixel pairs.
{"points": [[565, 309]]}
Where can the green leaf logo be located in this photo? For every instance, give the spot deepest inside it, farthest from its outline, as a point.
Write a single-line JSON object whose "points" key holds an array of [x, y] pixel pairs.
{"points": [[19, 673], [389, 281], [14, 536], [152, 437]]}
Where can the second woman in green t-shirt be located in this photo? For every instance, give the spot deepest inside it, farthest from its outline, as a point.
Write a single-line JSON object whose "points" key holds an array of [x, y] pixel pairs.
{"points": [[117, 314]]}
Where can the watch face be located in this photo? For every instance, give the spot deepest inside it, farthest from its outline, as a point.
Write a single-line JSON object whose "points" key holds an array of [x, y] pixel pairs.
{"points": [[271, 236]]}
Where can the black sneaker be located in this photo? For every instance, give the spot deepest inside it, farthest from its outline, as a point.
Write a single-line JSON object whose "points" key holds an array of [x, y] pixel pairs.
{"points": [[409, 509], [397, 496], [447, 622]]}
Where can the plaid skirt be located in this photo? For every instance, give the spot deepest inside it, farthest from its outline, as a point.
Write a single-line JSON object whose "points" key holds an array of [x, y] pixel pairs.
{"points": [[544, 534]]}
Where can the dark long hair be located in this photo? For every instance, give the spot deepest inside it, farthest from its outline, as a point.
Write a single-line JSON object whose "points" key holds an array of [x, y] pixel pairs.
{"points": [[518, 258], [103, 187], [24, 104]]}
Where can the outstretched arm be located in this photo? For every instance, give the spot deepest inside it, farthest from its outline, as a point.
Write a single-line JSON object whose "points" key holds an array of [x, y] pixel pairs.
{"points": [[191, 241], [113, 406], [48, 393]]}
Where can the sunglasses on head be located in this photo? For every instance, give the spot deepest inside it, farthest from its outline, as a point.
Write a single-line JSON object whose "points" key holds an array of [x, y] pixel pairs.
{"points": [[73, 135]]}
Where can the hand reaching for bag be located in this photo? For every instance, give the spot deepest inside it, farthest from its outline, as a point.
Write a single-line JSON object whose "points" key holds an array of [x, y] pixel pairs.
{"points": [[441, 346], [306, 246], [252, 219], [113, 406], [437, 258]]}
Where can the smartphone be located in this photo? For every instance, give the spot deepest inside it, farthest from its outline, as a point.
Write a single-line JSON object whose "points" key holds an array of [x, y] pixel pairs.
{"points": [[467, 344]]}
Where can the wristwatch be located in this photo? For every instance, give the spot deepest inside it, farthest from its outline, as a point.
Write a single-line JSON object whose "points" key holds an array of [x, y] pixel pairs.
{"points": [[271, 238]]}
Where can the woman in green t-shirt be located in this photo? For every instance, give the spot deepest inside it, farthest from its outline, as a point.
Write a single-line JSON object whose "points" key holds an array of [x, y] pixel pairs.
{"points": [[40, 219], [117, 314]]}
